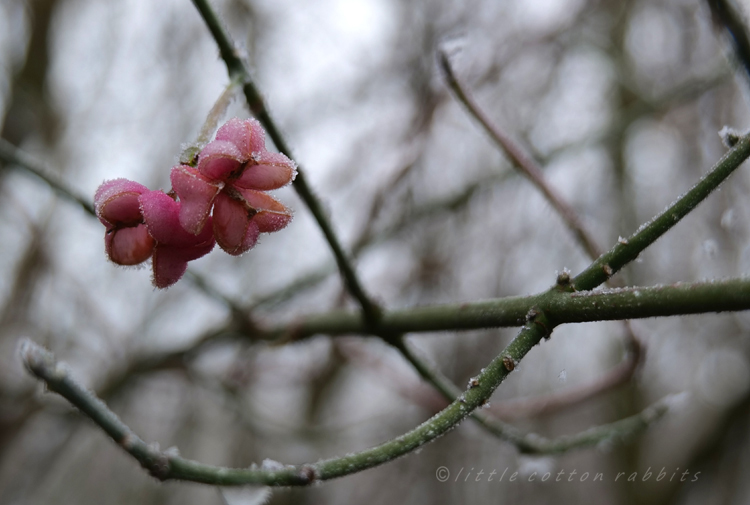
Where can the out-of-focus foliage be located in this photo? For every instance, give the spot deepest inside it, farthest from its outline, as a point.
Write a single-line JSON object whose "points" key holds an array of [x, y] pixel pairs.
{"points": [[621, 101]]}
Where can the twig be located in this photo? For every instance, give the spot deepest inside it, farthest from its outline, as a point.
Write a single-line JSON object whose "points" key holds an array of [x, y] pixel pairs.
{"points": [[520, 159], [219, 109], [376, 205], [14, 156], [618, 431], [627, 250], [429, 209], [678, 95], [174, 359], [427, 395], [167, 465], [237, 70], [162, 465]]}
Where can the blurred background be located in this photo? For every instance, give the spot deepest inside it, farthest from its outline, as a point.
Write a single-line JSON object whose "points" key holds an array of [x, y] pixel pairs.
{"points": [[620, 102]]}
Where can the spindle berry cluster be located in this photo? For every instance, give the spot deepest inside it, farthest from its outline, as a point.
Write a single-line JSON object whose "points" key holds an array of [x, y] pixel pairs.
{"points": [[221, 200]]}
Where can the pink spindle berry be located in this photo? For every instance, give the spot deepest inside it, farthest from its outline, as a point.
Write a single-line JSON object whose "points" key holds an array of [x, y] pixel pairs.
{"points": [[127, 241], [174, 246], [232, 173], [196, 193]]}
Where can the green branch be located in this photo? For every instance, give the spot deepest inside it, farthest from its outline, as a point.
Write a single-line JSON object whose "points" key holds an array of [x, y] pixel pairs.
{"points": [[531, 443], [560, 307], [626, 250], [168, 465], [238, 70], [618, 431], [163, 465]]}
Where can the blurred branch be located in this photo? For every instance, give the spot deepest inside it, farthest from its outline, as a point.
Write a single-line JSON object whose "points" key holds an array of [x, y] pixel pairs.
{"points": [[425, 395], [412, 218], [682, 93], [241, 317], [376, 205], [12, 156], [725, 14], [524, 162], [520, 408], [169, 360], [237, 70]]}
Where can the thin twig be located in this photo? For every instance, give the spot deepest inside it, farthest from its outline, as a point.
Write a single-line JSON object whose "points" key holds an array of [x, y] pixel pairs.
{"points": [[168, 465], [317, 275], [526, 164], [217, 112], [168, 360], [238, 70], [427, 395], [520, 159], [376, 206], [13, 156], [627, 250]]}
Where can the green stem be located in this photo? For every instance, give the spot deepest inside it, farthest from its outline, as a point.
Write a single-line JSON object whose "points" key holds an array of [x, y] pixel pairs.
{"points": [[238, 70], [560, 307], [165, 465], [531, 443], [189, 155], [628, 249]]}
